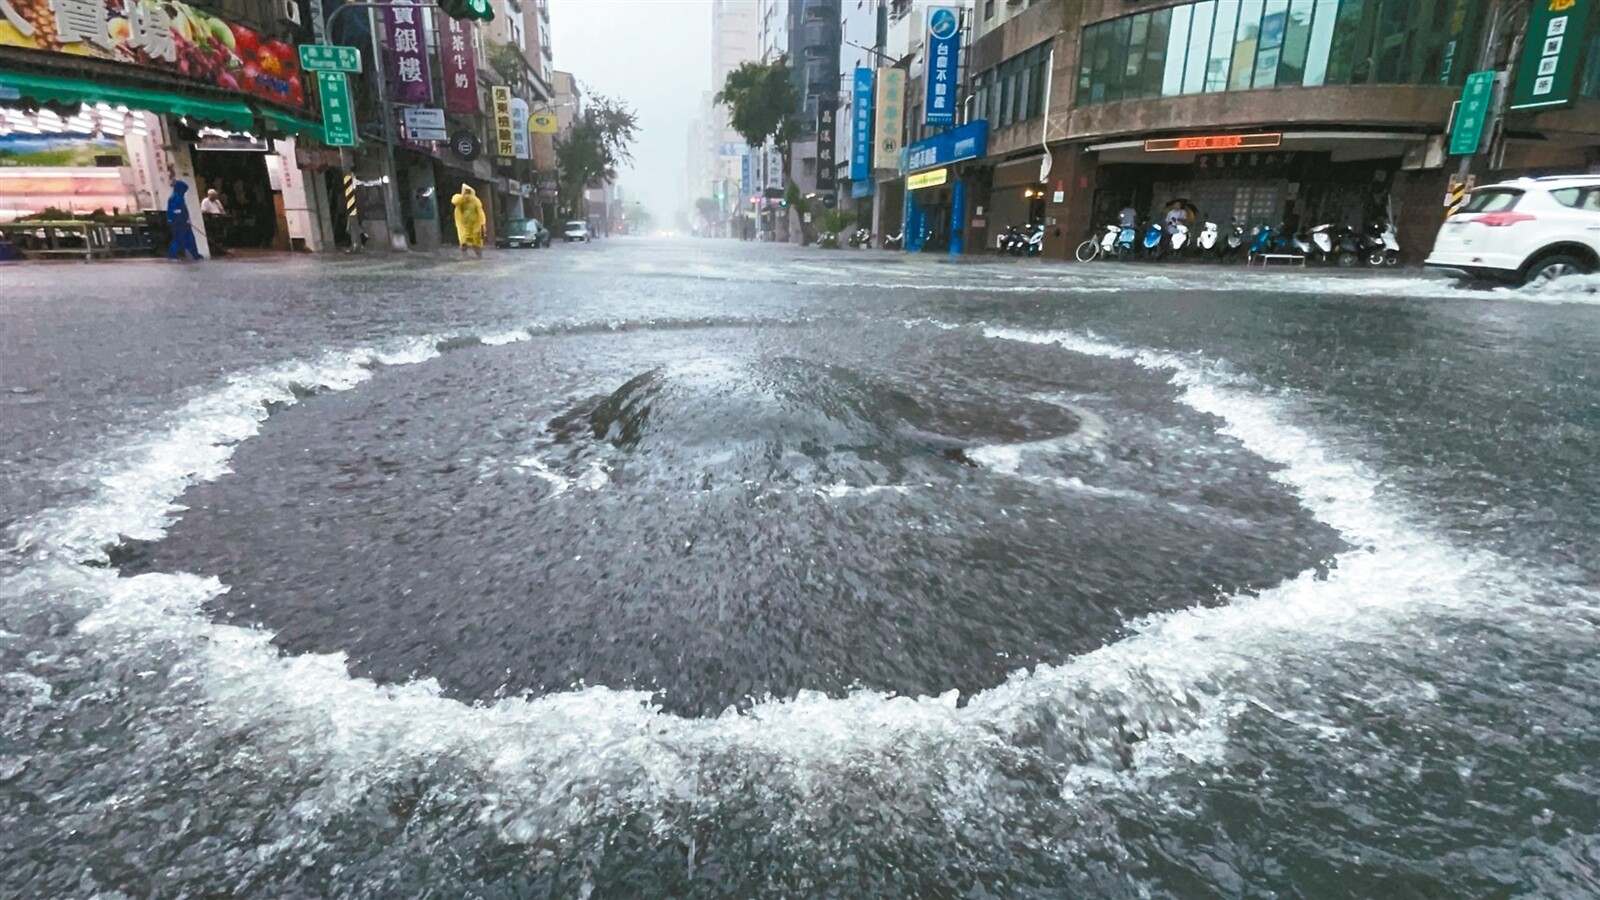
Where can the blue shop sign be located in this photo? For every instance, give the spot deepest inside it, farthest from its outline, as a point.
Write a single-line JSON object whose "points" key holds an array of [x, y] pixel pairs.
{"points": [[970, 141]]}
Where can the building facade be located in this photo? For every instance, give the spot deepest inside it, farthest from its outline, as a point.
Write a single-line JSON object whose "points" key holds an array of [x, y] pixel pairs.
{"points": [[1278, 112]]}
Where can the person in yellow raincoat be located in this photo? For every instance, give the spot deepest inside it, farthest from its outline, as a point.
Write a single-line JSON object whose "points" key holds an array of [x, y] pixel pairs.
{"points": [[470, 226]]}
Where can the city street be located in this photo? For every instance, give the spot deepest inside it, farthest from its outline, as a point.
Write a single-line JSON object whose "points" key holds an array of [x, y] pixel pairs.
{"points": [[652, 567]]}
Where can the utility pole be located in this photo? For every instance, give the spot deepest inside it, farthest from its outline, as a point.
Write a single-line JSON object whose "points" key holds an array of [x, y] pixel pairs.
{"points": [[391, 186]]}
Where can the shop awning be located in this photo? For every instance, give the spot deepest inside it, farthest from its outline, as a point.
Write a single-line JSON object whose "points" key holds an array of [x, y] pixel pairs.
{"points": [[51, 88], [291, 125]]}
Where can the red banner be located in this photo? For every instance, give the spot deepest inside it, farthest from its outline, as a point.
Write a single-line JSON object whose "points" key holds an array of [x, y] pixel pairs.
{"points": [[460, 64], [167, 35]]}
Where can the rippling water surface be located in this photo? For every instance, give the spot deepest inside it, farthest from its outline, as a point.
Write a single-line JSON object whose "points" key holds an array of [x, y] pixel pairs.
{"points": [[697, 569]]}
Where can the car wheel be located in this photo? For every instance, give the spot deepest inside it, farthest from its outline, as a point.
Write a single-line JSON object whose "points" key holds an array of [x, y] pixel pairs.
{"points": [[1543, 271]]}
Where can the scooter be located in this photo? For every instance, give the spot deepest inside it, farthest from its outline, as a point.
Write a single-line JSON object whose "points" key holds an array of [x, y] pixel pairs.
{"points": [[1349, 246], [1379, 245], [1179, 238], [1207, 240], [1152, 241], [1011, 241], [1234, 241], [1033, 240], [1322, 243]]}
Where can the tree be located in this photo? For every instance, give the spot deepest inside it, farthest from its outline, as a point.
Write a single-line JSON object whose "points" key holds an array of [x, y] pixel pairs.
{"points": [[707, 208], [587, 155], [761, 102], [506, 59]]}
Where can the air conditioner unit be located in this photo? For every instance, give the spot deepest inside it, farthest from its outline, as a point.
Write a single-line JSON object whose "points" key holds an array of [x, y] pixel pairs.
{"points": [[289, 11]]}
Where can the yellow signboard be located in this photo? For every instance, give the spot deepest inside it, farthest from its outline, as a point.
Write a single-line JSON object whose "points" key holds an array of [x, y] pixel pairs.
{"points": [[890, 115], [542, 123], [504, 138], [928, 179]]}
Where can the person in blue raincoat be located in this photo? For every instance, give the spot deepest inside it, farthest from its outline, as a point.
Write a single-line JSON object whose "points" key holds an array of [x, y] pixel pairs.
{"points": [[178, 219]]}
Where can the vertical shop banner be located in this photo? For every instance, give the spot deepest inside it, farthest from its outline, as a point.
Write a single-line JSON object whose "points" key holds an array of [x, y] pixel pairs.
{"points": [[505, 145], [944, 49], [1551, 52], [459, 62], [408, 54], [519, 128], [889, 120], [827, 119], [747, 171], [861, 126]]}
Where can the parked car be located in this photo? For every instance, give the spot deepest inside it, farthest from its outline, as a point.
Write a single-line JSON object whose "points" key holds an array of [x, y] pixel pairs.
{"points": [[577, 231], [523, 233], [1527, 231]]}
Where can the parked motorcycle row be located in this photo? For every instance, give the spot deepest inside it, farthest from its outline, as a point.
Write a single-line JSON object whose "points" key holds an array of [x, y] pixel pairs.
{"points": [[1328, 244], [1021, 240]]}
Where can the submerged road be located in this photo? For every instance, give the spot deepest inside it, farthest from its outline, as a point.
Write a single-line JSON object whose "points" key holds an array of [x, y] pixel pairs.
{"points": [[650, 568]]}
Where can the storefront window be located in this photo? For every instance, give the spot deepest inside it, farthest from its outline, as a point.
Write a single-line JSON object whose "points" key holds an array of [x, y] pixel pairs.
{"points": [[1177, 43], [1194, 68], [1221, 46], [1269, 47]]}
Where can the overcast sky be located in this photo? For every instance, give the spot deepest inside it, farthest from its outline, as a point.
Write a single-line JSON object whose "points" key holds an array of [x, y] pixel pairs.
{"points": [[653, 55]]}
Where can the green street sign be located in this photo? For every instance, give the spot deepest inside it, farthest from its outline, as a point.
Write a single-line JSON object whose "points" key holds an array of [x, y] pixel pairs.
{"points": [[338, 114], [1471, 114], [329, 58], [1557, 32]]}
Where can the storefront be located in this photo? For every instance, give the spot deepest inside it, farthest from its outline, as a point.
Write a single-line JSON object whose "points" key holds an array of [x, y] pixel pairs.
{"points": [[936, 190], [169, 93], [1288, 179]]}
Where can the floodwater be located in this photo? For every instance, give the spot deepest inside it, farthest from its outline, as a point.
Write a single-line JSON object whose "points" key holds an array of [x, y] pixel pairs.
{"points": [[702, 569]]}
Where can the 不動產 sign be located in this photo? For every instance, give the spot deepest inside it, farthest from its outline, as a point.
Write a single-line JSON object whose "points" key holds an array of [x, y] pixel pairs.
{"points": [[943, 50]]}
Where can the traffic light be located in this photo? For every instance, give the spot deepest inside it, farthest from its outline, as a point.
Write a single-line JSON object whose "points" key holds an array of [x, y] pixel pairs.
{"points": [[468, 9]]}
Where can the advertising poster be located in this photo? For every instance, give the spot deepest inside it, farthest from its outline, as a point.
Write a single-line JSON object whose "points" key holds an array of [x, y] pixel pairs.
{"points": [[166, 35]]}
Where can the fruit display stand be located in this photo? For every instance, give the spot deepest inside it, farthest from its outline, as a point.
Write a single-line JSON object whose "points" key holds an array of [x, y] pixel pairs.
{"points": [[60, 238]]}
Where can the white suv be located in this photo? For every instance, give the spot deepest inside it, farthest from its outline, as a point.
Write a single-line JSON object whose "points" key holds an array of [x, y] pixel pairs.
{"points": [[1524, 231]]}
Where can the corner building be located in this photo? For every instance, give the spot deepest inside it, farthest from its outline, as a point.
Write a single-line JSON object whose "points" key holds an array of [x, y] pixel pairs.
{"points": [[1292, 112]]}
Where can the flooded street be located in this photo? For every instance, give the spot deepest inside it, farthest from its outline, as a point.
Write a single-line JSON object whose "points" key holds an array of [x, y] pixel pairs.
{"points": [[674, 568]]}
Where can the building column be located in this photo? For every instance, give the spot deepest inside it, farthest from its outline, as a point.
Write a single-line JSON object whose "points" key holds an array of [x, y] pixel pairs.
{"points": [[1068, 220]]}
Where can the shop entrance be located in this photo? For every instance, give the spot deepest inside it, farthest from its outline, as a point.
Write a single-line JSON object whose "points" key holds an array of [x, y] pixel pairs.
{"points": [[241, 178]]}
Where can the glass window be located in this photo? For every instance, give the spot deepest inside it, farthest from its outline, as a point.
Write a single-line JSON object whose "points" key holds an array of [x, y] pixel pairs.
{"points": [[1589, 81], [1491, 200], [1116, 57], [1155, 53], [1024, 92], [1269, 45], [1245, 38], [1138, 33], [1221, 45], [1342, 52], [1296, 40], [1393, 36], [1177, 43], [1086, 54], [1194, 70], [1567, 196], [1321, 41], [1041, 71]]}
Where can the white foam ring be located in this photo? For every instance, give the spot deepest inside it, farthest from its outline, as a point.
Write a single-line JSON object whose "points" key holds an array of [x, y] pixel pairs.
{"points": [[556, 762]]}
